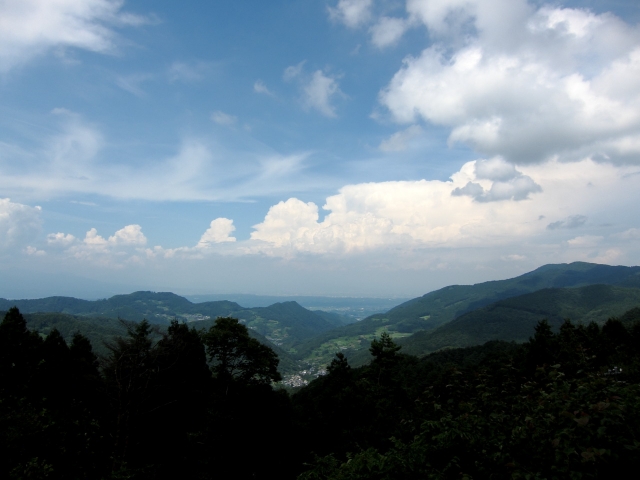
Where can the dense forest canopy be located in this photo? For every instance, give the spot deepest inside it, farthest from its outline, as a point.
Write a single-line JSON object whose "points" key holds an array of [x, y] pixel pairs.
{"points": [[183, 403]]}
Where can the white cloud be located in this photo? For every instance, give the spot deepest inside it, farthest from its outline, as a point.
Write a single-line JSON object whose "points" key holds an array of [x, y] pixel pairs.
{"points": [[187, 72], [400, 141], [318, 89], [129, 235], [391, 229], [222, 118], [585, 241], [513, 258], [546, 81], [287, 223], [293, 71], [60, 239], [123, 247], [319, 93], [219, 231], [387, 31], [352, 13], [133, 83], [508, 183], [32, 27], [260, 87], [77, 160], [29, 250], [424, 214], [71, 153], [18, 223], [630, 234]]}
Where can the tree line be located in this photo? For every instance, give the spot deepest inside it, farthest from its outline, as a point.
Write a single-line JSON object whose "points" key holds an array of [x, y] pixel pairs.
{"points": [[191, 404]]}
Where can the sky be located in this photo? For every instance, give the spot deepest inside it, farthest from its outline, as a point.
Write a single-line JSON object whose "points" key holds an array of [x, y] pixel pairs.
{"points": [[313, 147]]}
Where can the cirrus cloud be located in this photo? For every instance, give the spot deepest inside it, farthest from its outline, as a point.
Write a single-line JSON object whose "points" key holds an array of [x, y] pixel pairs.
{"points": [[32, 27]]}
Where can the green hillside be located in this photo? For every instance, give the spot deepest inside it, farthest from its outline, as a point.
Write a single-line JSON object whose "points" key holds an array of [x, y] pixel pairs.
{"points": [[100, 330], [514, 319], [160, 307], [284, 324], [442, 306]]}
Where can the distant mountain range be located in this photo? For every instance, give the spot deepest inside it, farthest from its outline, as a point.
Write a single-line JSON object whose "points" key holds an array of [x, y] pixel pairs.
{"points": [[284, 324], [433, 311], [454, 316]]}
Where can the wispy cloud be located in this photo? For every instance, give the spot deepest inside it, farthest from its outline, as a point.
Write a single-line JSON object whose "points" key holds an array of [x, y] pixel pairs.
{"points": [[319, 90], [574, 221], [260, 87], [188, 72], [222, 118], [133, 83], [29, 28], [352, 13]]}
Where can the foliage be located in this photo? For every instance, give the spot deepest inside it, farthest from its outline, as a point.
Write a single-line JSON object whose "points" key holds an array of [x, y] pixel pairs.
{"points": [[235, 356], [553, 408], [514, 319], [182, 403]]}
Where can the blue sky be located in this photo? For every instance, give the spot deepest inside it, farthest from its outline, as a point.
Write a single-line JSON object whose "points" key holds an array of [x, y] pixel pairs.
{"points": [[335, 147]]}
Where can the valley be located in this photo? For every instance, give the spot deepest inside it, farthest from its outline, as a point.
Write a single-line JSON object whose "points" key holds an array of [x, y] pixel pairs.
{"points": [[306, 340]]}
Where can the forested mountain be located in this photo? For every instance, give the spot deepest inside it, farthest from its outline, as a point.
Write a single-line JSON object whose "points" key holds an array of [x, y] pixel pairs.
{"points": [[442, 306], [160, 307], [514, 319], [283, 323]]}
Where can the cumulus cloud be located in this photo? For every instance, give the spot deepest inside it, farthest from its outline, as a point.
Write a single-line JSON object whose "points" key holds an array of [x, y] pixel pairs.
{"points": [[574, 221], [287, 223], [219, 231], [33, 251], [60, 239], [352, 13], [123, 247], [33, 27], [507, 182], [19, 223], [424, 214], [222, 118], [547, 81], [131, 235]]}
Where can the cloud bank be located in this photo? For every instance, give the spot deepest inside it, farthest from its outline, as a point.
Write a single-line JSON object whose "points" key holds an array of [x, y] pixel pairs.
{"points": [[421, 215]]}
